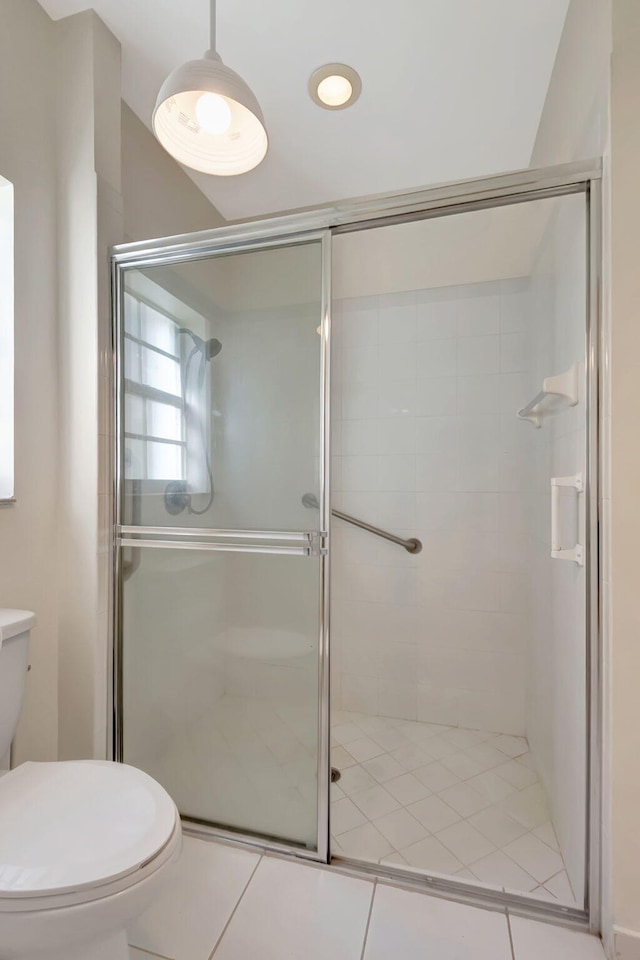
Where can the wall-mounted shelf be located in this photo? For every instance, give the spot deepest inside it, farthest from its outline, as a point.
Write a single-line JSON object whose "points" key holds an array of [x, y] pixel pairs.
{"points": [[563, 386]]}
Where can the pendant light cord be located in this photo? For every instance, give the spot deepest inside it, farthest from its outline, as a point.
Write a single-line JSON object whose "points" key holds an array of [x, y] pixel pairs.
{"points": [[212, 27]]}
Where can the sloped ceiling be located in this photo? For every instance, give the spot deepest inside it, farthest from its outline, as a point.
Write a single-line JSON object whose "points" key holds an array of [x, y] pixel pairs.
{"points": [[451, 88]]}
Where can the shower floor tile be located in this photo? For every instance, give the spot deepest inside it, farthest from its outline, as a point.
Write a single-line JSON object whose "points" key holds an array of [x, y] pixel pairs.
{"points": [[444, 800]]}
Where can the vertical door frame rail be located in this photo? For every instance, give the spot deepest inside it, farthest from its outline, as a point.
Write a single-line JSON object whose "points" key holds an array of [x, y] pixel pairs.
{"points": [[361, 214]]}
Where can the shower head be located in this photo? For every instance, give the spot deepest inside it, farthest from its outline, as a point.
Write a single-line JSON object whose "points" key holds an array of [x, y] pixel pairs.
{"points": [[208, 348], [212, 348]]}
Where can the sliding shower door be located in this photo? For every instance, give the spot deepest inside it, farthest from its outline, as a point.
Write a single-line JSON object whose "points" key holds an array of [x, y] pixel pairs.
{"points": [[463, 394], [464, 542], [221, 566]]}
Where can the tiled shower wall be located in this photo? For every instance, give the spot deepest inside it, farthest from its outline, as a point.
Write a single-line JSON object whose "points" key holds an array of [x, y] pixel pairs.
{"points": [[556, 671], [426, 443]]}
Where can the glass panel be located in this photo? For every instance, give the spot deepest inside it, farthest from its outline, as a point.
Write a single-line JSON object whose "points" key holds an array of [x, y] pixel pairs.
{"points": [[132, 365], [135, 459], [158, 329], [134, 413], [465, 663], [220, 668], [132, 315], [164, 421], [164, 461], [249, 385], [159, 371]]}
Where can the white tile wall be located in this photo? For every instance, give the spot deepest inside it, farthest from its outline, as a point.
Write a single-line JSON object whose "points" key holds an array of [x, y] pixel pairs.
{"points": [[426, 386], [556, 713]]}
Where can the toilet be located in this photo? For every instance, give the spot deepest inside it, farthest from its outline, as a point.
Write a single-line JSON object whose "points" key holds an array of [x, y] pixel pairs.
{"points": [[85, 845]]}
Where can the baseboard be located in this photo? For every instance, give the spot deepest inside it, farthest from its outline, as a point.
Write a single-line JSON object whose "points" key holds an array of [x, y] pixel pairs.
{"points": [[627, 944]]}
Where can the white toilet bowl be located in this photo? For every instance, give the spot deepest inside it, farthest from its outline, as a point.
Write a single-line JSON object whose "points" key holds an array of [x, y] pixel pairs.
{"points": [[84, 850]]}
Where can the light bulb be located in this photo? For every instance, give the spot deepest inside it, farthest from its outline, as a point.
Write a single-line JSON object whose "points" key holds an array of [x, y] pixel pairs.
{"points": [[335, 90], [213, 113]]}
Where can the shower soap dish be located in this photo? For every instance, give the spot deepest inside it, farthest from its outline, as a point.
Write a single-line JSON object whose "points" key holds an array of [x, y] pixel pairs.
{"points": [[563, 386]]}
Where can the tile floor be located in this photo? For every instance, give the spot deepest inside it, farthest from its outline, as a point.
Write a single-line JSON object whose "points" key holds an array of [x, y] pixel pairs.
{"points": [[444, 799], [229, 903], [428, 797]]}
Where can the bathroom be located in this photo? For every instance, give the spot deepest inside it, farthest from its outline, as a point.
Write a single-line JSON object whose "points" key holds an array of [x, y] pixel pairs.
{"points": [[311, 510]]}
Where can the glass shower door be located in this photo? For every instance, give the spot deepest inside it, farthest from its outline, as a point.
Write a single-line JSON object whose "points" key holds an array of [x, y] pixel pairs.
{"points": [[221, 565], [462, 397]]}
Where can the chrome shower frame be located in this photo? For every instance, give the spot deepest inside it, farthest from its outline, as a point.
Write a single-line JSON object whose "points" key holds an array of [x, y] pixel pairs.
{"points": [[322, 224]]}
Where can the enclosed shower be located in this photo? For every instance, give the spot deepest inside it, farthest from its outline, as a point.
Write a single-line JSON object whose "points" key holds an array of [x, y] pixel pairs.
{"points": [[356, 534], [459, 672]]}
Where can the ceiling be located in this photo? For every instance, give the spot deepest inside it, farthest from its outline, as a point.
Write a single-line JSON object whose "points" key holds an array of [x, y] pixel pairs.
{"points": [[452, 89]]}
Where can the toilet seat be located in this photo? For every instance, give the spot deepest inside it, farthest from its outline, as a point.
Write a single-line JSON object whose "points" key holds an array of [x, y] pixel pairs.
{"points": [[73, 831]]}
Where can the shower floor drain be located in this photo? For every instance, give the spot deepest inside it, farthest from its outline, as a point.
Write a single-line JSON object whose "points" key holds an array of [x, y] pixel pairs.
{"points": [[335, 774]]}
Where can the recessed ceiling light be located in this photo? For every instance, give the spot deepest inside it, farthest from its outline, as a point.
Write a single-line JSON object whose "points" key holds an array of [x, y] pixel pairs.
{"points": [[334, 86]]}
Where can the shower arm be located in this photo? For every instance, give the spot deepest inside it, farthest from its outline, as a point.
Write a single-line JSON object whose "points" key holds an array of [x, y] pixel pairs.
{"points": [[412, 545]]}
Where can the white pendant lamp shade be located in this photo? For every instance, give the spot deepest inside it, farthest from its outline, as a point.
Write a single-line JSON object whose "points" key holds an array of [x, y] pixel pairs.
{"points": [[207, 117]]}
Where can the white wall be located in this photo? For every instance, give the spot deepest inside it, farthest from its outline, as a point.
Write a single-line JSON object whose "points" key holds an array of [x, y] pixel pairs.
{"points": [[425, 389], [62, 164], [89, 220], [574, 121], [28, 529], [622, 503], [7, 389], [59, 162], [159, 199]]}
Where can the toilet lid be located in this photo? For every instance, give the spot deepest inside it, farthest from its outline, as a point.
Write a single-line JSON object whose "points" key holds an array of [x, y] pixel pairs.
{"points": [[70, 824]]}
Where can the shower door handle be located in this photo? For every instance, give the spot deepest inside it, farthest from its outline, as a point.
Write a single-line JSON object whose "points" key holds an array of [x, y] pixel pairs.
{"points": [[558, 552], [303, 543]]}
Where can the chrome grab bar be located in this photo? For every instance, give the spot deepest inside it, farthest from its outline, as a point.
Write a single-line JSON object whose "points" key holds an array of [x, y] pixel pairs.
{"points": [[412, 545]]}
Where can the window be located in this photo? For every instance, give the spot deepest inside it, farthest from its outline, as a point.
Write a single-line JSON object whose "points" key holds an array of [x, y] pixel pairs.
{"points": [[6, 341], [155, 441]]}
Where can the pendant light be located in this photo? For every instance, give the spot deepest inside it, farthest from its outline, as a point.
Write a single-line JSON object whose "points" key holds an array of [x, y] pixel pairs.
{"points": [[207, 118]]}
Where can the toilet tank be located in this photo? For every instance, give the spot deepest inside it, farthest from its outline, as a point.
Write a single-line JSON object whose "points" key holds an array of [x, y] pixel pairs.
{"points": [[15, 627]]}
